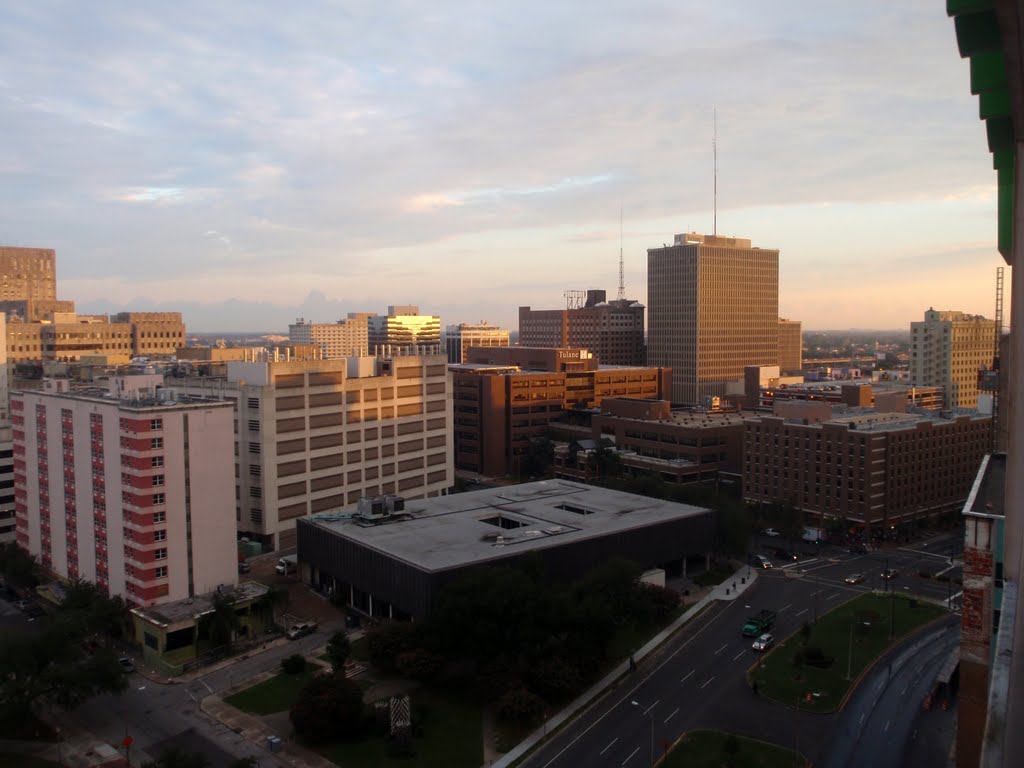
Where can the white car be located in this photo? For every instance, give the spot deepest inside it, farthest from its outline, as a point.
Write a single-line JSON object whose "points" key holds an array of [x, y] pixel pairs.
{"points": [[771, 532], [763, 643]]}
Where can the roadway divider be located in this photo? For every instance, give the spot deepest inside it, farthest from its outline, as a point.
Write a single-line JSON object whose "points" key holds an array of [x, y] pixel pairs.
{"points": [[729, 589]]}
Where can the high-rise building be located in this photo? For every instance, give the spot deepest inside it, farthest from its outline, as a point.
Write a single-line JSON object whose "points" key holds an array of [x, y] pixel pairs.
{"points": [[947, 349], [28, 274], [404, 328], [317, 435], [127, 488], [713, 308], [612, 330], [791, 346], [345, 338], [7, 517], [459, 338]]}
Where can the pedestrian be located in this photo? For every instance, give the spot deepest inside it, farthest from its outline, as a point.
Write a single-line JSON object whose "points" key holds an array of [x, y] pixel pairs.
{"points": [[632, 664]]}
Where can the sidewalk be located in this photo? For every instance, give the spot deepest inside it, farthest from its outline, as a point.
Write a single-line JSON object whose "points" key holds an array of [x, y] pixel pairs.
{"points": [[76, 749]]}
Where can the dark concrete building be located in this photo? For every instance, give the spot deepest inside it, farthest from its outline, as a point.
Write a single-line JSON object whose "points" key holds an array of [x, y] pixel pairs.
{"points": [[392, 562]]}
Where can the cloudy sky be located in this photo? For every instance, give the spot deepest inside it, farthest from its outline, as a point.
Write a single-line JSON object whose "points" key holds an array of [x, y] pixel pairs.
{"points": [[252, 162]]}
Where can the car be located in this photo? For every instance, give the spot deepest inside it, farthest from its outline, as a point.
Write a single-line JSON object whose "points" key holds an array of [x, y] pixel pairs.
{"points": [[854, 578], [763, 643], [301, 630], [858, 549], [126, 664], [771, 532], [760, 561], [890, 573], [243, 567], [785, 554]]}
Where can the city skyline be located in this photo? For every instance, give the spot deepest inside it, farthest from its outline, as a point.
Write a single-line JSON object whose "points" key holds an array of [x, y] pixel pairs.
{"points": [[248, 169]]}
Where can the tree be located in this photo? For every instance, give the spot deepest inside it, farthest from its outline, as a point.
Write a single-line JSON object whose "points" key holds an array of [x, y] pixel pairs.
{"points": [[539, 456], [327, 707], [419, 664], [606, 461], [100, 614], [51, 667], [221, 623], [19, 569], [520, 705], [176, 757], [734, 528], [388, 640], [338, 650]]}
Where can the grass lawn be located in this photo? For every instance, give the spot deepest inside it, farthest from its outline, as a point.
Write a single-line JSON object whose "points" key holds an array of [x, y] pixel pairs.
{"points": [[452, 737], [274, 695], [714, 577], [706, 749], [853, 635], [629, 640], [11, 760]]}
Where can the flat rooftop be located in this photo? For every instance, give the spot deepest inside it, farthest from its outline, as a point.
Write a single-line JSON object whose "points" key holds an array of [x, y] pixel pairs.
{"points": [[492, 523], [194, 607]]}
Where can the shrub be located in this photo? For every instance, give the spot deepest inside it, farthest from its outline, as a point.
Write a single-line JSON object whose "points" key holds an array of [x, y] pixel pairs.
{"points": [[387, 641], [328, 707], [555, 679], [519, 705], [338, 650], [419, 664], [294, 664]]}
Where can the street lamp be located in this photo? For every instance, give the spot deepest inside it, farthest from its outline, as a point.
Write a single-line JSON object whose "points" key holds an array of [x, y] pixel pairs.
{"points": [[849, 651], [651, 718]]}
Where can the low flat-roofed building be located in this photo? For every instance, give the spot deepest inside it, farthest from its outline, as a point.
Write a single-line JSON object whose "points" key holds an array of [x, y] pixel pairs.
{"points": [[394, 566]]}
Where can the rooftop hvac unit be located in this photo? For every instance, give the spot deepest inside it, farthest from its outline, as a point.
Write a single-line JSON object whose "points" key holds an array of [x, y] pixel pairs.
{"points": [[395, 503], [373, 508]]}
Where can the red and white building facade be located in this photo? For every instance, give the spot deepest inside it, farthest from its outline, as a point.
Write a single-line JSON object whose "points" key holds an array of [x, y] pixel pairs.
{"points": [[126, 488]]}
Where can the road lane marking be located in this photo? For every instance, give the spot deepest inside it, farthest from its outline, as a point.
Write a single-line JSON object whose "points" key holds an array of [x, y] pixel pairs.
{"points": [[651, 707], [802, 612], [207, 686], [674, 711], [688, 676], [721, 649], [741, 653], [631, 755], [862, 716], [832, 597], [609, 745], [706, 684], [788, 606], [904, 690], [629, 694], [887, 724]]}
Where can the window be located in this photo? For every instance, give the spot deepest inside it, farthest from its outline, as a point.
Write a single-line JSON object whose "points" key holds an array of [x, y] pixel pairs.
{"points": [[160, 535], [158, 480], [160, 573], [254, 425], [158, 498], [156, 443], [157, 461], [159, 517], [160, 554], [255, 470], [156, 423]]}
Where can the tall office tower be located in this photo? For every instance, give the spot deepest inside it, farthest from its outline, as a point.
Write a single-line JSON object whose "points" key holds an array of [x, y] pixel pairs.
{"points": [[612, 330], [459, 338], [713, 308], [7, 520], [344, 338], [947, 349], [317, 435], [28, 274], [126, 488], [791, 346], [153, 333], [405, 328]]}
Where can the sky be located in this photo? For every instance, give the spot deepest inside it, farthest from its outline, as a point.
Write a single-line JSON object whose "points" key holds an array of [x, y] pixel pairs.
{"points": [[250, 163]]}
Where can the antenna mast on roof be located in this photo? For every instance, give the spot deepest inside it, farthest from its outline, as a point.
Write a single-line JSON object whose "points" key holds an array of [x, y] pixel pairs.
{"points": [[622, 274], [714, 151]]}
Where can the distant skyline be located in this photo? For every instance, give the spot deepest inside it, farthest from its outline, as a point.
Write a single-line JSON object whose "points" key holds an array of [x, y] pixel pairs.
{"points": [[248, 165]]}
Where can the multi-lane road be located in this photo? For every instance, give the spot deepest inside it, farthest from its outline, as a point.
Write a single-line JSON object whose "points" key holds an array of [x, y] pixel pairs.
{"points": [[698, 678]]}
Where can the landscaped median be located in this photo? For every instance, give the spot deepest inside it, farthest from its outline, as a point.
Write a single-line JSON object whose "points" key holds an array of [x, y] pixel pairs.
{"points": [[814, 668], [713, 749]]}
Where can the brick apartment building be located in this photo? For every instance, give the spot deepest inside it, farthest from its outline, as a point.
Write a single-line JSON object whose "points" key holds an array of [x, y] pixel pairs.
{"points": [[317, 435], [126, 488], [874, 469], [612, 330], [505, 397]]}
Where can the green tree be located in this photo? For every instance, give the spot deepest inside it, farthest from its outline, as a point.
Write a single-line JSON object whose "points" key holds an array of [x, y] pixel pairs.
{"points": [[339, 648], [221, 623], [99, 614], [176, 757], [537, 459], [606, 461], [19, 569], [327, 707], [50, 668], [386, 641]]}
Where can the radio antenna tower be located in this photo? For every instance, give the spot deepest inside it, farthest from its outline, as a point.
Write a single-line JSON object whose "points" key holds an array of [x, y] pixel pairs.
{"points": [[622, 272], [714, 151]]}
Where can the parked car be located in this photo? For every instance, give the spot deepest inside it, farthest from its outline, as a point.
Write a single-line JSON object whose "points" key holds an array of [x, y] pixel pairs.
{"points": [[854, 578], [858, 549], [126, 664], [763, 643], [243, 567], [890, 573], [771, 532], [301, 630]]}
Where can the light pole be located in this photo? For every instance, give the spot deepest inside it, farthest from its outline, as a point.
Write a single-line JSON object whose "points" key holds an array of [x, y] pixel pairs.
{"points": [[651, 718], [849, 651]]}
